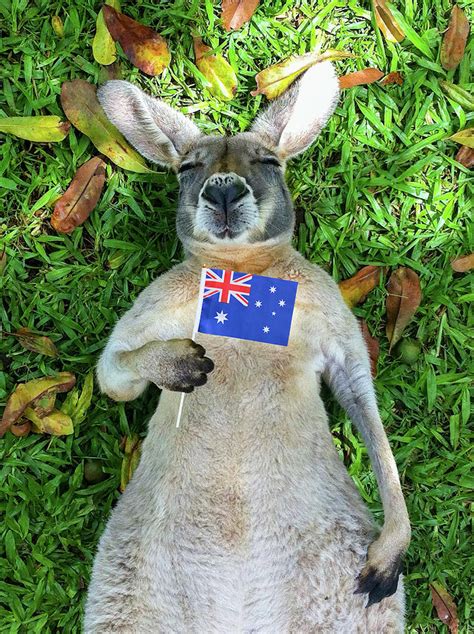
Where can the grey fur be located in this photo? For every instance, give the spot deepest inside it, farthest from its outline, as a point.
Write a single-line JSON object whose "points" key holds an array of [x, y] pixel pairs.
{"points": [[244, 519]]}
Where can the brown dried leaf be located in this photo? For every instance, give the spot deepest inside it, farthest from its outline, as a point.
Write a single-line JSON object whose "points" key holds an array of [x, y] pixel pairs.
{"points": [[274, 80], [27, 394], [130, 460], [36, 343], [463, 264], [22, 428], [360, 77], [144, 47], [386, 22], [445, 607], [465, 156], [455, 38], [237, 12], [80, 198], [404, 297], [373, 346], [355, 289], [392, 78], [464, 137]]}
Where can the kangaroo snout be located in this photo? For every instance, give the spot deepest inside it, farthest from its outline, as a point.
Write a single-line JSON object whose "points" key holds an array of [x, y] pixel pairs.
{"points": [[226, 205], [223, 190]]}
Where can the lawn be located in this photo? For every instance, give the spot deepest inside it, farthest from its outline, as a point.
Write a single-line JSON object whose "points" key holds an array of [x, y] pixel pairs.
{"points": [[381, 186]]}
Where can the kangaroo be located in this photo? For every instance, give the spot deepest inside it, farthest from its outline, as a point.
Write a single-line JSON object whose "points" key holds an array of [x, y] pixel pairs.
{"points": [[244, 519]]}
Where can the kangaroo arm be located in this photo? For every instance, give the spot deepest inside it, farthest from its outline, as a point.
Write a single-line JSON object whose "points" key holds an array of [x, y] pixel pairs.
{"points": [[347, 373], [118, 374]]}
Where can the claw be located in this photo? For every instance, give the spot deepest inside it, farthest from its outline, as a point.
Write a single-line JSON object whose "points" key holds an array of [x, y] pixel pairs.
{"points": [[378, 584]]}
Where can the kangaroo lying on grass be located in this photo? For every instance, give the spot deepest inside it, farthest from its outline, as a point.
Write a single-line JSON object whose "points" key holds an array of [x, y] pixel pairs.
{"points": [[244, 519]]}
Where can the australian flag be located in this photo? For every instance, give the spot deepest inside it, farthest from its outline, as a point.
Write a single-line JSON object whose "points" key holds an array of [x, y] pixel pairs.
{"points": [[246, 306]]}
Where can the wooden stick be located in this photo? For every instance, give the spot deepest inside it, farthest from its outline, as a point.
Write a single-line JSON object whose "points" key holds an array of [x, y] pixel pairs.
{"points": [[196, 325]]}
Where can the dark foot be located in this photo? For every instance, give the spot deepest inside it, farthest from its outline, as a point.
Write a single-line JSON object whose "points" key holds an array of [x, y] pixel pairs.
{"points": [[378, 584]]}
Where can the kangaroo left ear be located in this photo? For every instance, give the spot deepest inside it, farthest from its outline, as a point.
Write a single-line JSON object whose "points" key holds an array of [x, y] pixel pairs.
{"points": [[294, 120], [157, 131]]}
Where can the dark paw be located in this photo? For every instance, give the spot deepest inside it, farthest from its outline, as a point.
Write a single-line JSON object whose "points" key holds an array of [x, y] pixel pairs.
{"points": [[192, 369], [378, 584]]}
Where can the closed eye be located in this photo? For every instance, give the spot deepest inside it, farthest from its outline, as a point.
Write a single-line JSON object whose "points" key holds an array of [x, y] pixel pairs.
{"points": [[268, 160], [188, 166]]}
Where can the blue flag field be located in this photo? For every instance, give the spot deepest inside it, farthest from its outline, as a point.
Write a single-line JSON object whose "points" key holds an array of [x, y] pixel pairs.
{"points": [[246, 306]]}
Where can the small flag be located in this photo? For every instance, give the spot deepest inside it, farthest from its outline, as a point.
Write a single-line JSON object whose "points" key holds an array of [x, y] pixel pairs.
{"points": [[245, 306]]}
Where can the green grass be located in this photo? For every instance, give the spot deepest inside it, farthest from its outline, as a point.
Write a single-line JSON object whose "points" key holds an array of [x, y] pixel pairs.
{"points": [[380, 187]]}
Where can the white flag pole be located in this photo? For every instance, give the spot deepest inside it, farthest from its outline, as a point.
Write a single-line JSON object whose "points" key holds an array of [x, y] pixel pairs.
{"points": [[196, 325]]}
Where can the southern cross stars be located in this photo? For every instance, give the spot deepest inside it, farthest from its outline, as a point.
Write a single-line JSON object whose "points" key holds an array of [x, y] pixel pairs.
{"points": [[266, 329], [272, 289], [281, 302], [258, 303], [221, 317]]}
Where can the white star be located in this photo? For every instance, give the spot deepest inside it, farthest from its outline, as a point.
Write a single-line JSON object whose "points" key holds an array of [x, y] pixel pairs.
{"points": [[272, 289], [273, 313], [281, 302], [221, 317], [266, 329], [258, 303]]}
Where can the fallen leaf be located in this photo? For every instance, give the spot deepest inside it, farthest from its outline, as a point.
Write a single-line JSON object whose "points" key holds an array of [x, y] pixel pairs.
{"points": [[459, 95], [144, 47], [83, 110], [404, 297], [57, 25], [373, 346], [103, 45], [465, 156], [386, 22], [445, 607], [355, 289], [221, 78], [26, 394], [454, 40], [80, 198], [464, 137], [85, 399], [21, 428], [463, 264], [38, 129], [3, 261], [392, 78], [274, 80], [130, 460], [237, 12], [36, 343], [45, 404], [360, 77], [56, 423]]}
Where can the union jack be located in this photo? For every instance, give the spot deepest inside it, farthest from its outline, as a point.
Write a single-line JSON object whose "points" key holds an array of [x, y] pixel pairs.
{"points": [[228, 284]]}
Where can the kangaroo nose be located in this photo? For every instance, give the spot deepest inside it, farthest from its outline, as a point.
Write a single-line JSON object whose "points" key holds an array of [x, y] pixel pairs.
{"points": [[224, 195]]}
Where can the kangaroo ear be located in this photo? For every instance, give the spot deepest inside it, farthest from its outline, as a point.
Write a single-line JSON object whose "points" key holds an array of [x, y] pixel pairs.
{"points": [[157, 131], [294, 120]]}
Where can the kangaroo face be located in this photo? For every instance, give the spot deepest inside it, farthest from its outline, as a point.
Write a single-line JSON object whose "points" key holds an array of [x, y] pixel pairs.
{"points": [[232, 189]]}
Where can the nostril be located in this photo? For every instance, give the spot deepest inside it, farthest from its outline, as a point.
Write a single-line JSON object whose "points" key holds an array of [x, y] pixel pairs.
{"points": [[214, 194], [236, 191]]}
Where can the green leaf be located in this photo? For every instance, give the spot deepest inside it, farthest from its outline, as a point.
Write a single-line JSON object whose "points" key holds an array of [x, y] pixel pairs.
{"points": [[219, 74], [458, 94], [80, 104], [103, 45], [464, 137], [274, 80], [39, 129]]}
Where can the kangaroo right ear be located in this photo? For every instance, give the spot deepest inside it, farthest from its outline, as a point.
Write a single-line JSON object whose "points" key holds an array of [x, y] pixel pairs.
{"points": [[294, 120], [157, 131]]}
